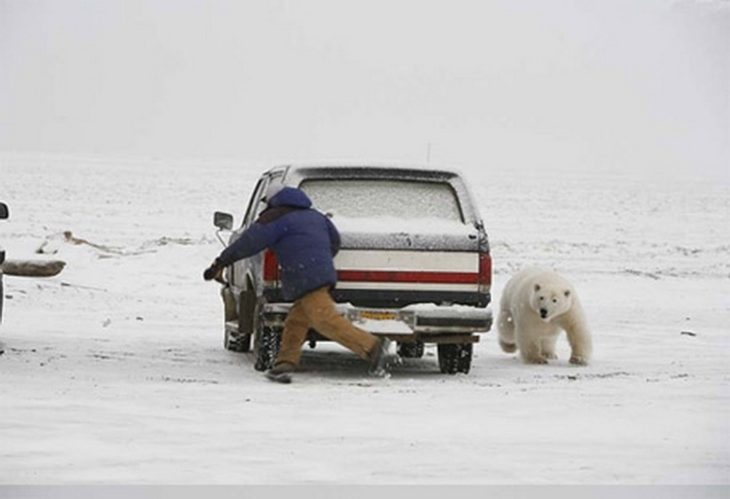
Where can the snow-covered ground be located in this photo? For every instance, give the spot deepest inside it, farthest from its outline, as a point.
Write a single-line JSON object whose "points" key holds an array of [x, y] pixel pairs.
{"points": [[114, 371]]}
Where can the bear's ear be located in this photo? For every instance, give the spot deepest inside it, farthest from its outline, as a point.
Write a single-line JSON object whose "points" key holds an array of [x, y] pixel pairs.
{"points": [[567, 293], [537, 287]]}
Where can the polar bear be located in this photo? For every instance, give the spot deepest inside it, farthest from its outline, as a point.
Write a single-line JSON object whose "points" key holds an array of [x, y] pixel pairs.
{"points": [[535, 305]]}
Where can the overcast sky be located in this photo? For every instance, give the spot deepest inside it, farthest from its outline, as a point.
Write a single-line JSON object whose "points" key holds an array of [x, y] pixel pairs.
{"points": [[582, 84]]}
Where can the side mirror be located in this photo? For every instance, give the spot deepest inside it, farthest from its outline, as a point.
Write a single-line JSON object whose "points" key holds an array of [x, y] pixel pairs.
{"points": [[224, 221], [4, 213]]}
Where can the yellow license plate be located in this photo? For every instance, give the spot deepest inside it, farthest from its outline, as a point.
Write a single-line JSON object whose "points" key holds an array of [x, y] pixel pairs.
{"points": [[378, 316]]}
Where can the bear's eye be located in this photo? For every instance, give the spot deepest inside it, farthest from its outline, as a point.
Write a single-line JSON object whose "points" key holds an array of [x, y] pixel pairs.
{"points": [[555, 300], [542, 298]]}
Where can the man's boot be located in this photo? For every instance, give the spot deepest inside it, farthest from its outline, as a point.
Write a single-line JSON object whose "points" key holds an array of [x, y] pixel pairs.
{"points": [[379, 358], [281, 373]]}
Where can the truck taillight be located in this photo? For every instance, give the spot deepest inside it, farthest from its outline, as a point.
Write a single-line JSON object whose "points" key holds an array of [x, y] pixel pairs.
{"points": [[485, 272], [271, 267]]}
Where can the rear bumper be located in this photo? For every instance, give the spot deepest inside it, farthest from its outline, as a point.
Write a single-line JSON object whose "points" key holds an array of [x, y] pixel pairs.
{"points": [[395, 298], [421, 321]]}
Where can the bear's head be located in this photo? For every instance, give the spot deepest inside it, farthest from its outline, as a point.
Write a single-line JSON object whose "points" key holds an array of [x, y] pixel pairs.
{"points": [[550, 301]]}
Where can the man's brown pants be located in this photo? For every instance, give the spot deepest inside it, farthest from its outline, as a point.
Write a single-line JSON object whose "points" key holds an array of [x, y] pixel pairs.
{"points": [[316, 310]]}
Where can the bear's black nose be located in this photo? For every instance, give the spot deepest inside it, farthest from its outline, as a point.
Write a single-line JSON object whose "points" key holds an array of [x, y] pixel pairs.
{"points": [[543, 312]]}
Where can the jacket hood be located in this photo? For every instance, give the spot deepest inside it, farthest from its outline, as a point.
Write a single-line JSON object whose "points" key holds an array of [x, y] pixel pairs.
{"points": [[290, 196]]}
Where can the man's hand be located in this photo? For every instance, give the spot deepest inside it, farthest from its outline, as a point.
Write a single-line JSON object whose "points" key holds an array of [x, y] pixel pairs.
{"points": [[215, 271]]}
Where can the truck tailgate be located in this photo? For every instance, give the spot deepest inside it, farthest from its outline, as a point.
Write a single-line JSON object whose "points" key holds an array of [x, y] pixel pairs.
{"points": [[395, 269]]}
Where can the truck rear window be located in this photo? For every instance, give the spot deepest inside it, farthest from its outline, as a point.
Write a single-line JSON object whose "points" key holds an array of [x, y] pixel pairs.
{"points": [[373, 198]]}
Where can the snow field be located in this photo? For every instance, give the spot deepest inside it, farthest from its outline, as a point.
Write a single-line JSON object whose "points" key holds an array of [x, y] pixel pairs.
{"points": [[114, 371]]}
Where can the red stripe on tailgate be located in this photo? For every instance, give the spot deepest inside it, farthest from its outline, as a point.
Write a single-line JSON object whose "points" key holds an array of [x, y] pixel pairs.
{"points": [[408, 276]]}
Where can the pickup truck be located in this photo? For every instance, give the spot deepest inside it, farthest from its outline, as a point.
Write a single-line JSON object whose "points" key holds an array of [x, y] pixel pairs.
{"points": [[4, 213], [414, 263]]}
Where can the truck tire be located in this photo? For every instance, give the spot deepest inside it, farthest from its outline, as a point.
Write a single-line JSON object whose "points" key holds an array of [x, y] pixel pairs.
{"points": [[266, 347], [411, 350], [236, 342], [454, 357]]}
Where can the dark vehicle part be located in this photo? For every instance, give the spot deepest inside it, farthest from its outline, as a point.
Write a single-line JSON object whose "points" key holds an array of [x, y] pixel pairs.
{"points": [[412, 350], [455, 358]]}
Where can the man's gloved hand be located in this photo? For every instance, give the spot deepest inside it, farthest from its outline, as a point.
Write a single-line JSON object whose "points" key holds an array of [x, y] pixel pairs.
{"points": [[215, 271]]}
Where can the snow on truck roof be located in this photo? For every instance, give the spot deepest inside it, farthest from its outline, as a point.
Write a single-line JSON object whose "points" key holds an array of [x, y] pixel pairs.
{"points": [[367, 170], [296, 174]]}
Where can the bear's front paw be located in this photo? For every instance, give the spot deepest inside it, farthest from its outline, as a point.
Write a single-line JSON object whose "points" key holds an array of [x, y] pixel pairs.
{"points": [[578, 360], [536, 360]]}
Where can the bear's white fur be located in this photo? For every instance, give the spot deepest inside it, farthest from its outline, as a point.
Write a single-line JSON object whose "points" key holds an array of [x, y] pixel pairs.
{"points": [[535, 305]]}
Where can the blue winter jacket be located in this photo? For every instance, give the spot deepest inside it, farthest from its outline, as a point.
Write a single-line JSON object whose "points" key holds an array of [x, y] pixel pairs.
{"points": [[303, 240]]}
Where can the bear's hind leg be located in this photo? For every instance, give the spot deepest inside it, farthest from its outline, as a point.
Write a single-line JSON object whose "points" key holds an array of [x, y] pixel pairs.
{"points": [[506, 330]]}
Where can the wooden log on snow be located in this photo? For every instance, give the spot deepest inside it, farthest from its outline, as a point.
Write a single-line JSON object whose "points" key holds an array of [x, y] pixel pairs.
{"points": [[33, 268]]}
